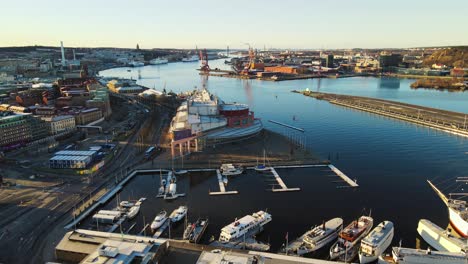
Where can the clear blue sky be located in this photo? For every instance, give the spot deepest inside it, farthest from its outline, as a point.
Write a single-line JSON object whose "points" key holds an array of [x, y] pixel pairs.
{"points": [[216, 24]]}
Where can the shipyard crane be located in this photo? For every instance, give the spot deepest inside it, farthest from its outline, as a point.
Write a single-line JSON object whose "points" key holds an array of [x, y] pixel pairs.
{"points": [[204, 61]]}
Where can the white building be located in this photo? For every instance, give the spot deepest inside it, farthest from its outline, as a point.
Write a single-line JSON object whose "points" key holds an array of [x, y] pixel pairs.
{"points": [[69, 162], [59, 124]]}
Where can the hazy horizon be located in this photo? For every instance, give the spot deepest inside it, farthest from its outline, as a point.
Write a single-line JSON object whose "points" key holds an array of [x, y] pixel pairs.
{"points": [[296, 24]]}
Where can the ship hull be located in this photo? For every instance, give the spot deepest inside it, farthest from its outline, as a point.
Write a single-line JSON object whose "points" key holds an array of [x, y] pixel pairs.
{"points": [[457, 222]]}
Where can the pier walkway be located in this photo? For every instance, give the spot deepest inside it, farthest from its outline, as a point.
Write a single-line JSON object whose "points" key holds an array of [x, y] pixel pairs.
{"points": [[163, 228], [221, 186], [283, 188], [343, 176], [447, 121]]}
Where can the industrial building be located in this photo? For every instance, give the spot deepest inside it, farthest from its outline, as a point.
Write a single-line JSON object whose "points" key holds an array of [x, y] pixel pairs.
{"points": [[72, 159]]}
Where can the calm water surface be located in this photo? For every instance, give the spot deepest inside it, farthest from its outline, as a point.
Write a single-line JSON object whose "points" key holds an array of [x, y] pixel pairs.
{"points": [[390, 159]]}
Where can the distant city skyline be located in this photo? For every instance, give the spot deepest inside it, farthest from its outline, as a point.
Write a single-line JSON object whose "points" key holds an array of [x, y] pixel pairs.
{"points": [[296, 24]]}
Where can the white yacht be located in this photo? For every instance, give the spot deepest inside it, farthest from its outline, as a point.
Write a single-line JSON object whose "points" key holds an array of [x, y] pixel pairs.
{"points": [[158, 61], [126, 204], [178, 214], [171, 192], [419, 256], [374, 244], [133, 211], [159, 220], [346, 248], [190, 59], [321, 235], [230, 170], [247, 225]]}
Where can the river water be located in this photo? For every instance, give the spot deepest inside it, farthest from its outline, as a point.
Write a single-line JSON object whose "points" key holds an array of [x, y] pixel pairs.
{"points": [[390, 159]]}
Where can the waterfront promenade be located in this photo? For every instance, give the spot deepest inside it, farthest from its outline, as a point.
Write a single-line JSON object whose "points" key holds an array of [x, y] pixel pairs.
{"points": [[448, 121]]}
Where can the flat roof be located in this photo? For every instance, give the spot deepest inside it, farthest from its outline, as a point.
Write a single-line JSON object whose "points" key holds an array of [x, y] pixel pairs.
{"points": [[74, 158], [75, 153]]}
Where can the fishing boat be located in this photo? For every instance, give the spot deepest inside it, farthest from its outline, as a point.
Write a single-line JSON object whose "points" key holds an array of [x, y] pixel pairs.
{"points": [[346, 248], [133, 211], [262, 167], [158, 61], [457, 209], [178, 214], [231, 170], [248, 225], [375, 244], [194, 232], [159, 220], [420, 256]]}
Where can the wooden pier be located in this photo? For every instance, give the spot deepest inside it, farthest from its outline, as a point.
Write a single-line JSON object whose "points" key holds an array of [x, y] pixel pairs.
{"points": [[222, 188]]}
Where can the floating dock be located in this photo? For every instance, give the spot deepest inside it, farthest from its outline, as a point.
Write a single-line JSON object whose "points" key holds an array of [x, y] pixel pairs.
{"points": [[284, 188], [343, 176], [222, 189]]}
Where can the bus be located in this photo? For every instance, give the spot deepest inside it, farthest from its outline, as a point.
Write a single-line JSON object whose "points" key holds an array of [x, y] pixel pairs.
{"points": [[149, 152]]}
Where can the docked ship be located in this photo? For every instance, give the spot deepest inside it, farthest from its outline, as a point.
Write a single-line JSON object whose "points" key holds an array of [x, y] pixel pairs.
{"points": [[346, 248], [191, 58], [158, 61], [418, 256], [316, 238], [248, 225], [375, 244], [439, 238], [133, 211], [457, 210]]}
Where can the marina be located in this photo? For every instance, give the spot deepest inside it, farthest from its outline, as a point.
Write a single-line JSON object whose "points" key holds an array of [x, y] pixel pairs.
{"points": [[222, 188], [283, 186]]}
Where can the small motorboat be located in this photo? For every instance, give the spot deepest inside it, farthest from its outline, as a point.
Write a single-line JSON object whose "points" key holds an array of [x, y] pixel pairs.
{"points": [[159, 220], [231, 170], [180, 172]]}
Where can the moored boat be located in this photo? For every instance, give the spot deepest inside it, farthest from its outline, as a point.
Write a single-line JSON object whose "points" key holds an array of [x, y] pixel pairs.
{"points": [[159, 220], [346, 248], [262, 167], [194, 232], [439, 238], [248, 225], [419, 256], [133, 211], [323, 234], [191, 58], [178, 214], [231, 170], [374, 244], [158, 61], [126, 204]]}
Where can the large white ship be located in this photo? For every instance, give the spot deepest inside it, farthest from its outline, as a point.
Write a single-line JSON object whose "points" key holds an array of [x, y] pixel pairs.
{"points": [[158, 61], [247, 225], [191, 58], [419, 256], [346, 248], [439, 238], [374, 244], [458, 212]]}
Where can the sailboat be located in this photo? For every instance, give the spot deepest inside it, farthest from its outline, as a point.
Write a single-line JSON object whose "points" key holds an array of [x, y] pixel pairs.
{"points": [[262, 167]]}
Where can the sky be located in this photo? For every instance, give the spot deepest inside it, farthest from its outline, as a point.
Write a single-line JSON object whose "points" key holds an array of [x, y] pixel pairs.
{"points": [[295, 24]]}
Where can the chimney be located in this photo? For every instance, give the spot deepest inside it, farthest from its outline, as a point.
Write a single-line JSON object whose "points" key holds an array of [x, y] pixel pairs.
{"points": [[74, 57], [63, 54]]}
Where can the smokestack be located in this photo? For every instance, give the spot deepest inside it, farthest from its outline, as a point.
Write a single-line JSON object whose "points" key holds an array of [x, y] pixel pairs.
{"points": [[74, 57], [63, 54]]}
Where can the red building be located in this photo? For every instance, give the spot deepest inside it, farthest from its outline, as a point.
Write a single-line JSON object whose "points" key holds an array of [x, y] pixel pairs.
{"points": [[238, 115]]}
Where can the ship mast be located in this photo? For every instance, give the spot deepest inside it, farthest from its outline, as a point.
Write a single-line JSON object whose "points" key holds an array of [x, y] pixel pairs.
{"points": [[441, 195]]}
